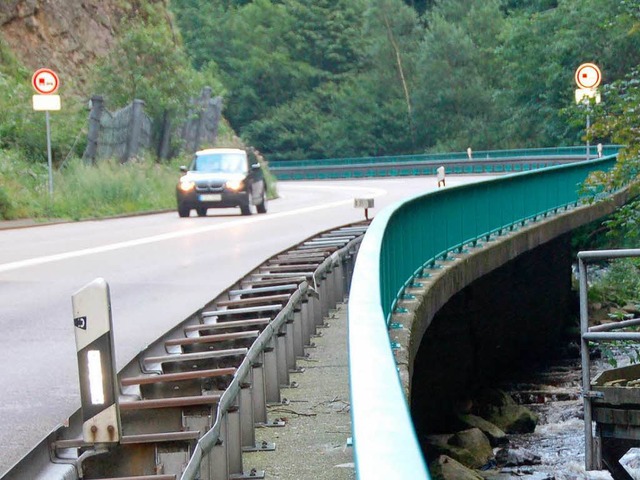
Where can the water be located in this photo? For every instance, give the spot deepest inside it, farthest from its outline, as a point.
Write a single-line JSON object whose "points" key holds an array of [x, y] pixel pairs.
{"points": [[559, 439]]}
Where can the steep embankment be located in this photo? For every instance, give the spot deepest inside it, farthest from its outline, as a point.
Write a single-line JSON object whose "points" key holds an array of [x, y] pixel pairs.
{"points": [[66, 35]]}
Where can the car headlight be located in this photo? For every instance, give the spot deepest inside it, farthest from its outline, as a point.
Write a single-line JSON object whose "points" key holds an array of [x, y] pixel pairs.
{"points": [[186, 185], [235, 185]]}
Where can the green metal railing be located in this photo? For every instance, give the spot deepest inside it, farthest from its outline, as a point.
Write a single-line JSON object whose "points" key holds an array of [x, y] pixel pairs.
{"points": [[427, 227], [437, 157], [400, 243]]}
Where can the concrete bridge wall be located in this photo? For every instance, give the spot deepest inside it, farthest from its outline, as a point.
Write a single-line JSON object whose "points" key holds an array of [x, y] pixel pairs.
{"points": [[494, 305]]}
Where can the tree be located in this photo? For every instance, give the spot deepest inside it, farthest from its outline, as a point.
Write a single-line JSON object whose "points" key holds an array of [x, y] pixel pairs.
{"points": [[541, 52], [146, 64], [459, 74]]}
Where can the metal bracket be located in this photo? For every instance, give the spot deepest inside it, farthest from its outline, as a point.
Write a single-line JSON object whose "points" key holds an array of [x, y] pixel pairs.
{"points": [[592, 394], [263, 446], [253, 473]]}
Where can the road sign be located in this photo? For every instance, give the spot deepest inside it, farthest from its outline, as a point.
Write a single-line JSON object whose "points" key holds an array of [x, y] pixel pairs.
{"points": [[46, 103], [588, 76], [45, 81], [584, 94]]}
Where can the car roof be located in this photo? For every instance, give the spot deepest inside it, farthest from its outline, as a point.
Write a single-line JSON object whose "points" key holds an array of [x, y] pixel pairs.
{"points": [[219, 150]]}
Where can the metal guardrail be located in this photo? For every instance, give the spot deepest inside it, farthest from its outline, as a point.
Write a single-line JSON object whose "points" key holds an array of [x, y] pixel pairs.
{"points": [[598, 334], [181, 400], [401, 242], [483, 162]]}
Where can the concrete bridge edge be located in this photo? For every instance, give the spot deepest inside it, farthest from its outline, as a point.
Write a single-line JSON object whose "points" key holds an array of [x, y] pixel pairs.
{"points": [[462, 269]]}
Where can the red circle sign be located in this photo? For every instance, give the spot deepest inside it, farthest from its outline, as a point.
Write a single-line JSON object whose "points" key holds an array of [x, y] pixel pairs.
{"points": [[45, 81], [588, 76]]}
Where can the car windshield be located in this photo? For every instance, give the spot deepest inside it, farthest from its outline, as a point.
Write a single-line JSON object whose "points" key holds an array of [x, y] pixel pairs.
{"points": [[219, 162]]}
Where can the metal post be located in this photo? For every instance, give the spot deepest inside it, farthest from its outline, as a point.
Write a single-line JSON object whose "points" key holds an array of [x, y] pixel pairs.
{"points": [[588, 127], [97, 106], [586, 380], [49, 154]]}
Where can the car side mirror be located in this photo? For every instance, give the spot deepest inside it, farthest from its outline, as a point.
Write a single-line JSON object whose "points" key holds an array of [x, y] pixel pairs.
{"points": [[183, 169]]}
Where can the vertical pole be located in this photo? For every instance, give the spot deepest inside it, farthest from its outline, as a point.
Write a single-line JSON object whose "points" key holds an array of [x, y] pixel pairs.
{"points": [[584, 353], [588, 126], [97, 106], [49, 154], [135, 131]]}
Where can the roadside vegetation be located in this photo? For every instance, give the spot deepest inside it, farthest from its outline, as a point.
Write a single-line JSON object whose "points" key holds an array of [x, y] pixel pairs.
{"points": [[330, 78]]}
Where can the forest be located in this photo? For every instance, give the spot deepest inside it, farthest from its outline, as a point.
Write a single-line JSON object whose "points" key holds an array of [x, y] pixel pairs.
{"points": [[345, 78], [304, 79]]}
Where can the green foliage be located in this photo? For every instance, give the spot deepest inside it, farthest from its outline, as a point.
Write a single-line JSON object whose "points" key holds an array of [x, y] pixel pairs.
{"points": [[491, 74], [82, 191], [458, 69], [110, 188], [620, 284], [24, 129], [138, 68]]}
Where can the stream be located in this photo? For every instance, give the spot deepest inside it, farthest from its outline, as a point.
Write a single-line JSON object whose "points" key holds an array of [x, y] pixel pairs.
{"points": [[554, 393]]}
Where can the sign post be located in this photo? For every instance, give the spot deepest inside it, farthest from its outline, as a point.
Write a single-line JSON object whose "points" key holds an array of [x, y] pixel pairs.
{"points": [[588, 77], [46, 82]]}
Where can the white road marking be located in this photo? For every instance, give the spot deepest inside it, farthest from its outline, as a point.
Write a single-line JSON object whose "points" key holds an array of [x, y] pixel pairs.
{"points": [[376, 192]]}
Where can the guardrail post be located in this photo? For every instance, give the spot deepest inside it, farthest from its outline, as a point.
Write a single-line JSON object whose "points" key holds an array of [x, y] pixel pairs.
{"points": [[281, 357], [324, 299], [339, 280], [290, 340], [247, 422], [272, 385], [298, 330], [258, 391], [234, 440], [218, 457], [308, 318]]}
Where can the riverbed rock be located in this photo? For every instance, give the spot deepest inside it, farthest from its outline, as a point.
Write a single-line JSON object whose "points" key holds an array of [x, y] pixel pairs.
{"points": [[500, 409], [475, 442], [446, 468], [438, 445], [496, 436], [516, 457]]}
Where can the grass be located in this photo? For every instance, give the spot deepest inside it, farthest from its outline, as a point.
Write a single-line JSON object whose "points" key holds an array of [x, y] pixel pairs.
{"points": [[84, 191]]}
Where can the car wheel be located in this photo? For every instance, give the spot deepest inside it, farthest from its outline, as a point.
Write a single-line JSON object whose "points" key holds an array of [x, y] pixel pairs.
{"points": [[262, 206], [245, 209], [183, 211], [201, 211]]}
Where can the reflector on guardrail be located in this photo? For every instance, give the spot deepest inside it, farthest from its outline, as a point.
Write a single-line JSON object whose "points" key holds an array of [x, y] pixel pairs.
{"points": [[96, 363]]}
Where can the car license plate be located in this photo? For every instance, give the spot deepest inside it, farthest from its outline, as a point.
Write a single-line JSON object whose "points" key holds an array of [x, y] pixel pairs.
{"points": [[211, 197]]}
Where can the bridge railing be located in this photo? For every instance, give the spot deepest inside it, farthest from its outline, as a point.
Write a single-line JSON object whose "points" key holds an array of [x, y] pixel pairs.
{"points": [[437, 157], [403, 240]]}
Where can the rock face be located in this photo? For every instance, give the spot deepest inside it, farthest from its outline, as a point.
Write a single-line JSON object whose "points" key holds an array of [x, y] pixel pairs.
{"points": [[67, 36]]}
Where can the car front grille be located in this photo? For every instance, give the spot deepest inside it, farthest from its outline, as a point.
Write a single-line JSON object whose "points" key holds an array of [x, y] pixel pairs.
{"points": [[209, 187]]}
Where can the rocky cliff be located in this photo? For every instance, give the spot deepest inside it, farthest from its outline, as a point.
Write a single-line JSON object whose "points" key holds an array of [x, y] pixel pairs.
{"points": [[67, 36]]}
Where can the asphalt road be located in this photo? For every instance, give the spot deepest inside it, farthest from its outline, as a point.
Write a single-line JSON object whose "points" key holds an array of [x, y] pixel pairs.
{"points": [[160, 269]]}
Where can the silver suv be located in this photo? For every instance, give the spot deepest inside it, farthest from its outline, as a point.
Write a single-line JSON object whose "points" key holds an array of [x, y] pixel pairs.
{"points": [[222, 178]]}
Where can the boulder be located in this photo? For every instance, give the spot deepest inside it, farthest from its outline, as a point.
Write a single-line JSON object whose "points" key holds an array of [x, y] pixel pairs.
{"points": [[446, 468], [516, 457], [500, 409], [476, 443], [439, 445], [496, 436]]}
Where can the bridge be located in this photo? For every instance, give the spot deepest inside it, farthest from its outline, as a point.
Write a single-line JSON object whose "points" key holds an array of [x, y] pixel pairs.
{"points": [[415, 257]]}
